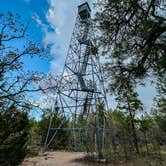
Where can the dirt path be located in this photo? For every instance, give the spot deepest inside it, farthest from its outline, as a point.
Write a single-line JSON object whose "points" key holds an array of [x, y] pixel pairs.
{"points": [[77, 159], [57, 159]]}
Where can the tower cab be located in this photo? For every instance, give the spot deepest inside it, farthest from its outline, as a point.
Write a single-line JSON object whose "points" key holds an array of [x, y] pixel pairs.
{"points": [[84, 11]]}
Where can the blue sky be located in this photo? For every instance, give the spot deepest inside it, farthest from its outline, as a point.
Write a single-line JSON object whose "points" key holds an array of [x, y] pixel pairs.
{"points": [[27, 10], [52, 22]]}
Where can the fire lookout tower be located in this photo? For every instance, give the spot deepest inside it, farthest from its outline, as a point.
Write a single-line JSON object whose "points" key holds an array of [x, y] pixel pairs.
{"points": [[81, 91]]}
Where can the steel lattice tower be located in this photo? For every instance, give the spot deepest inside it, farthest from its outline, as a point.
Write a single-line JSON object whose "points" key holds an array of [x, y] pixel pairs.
{"points": [[81, 87]]}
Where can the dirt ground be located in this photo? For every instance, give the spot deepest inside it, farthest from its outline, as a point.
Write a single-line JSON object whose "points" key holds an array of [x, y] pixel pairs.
{"points": [[57, 159], [77, 159]]}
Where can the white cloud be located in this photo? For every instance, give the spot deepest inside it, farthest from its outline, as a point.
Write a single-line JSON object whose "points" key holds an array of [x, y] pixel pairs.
{"points": [[40, 23], [61, 17]]}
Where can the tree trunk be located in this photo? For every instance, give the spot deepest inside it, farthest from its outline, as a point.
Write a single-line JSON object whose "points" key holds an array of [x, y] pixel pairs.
{"points": [[134, 134]]}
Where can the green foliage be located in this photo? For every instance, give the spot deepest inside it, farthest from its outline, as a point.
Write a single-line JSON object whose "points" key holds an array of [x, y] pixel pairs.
{"points": [[14, 133], [107, 153], [147, 123], [161, 85], [34, 141], [62, 137], [159, 113], [119, 119], [130, 105], [132, 35], [150, 147], [101, 114], [15, 85], [128, 101]]}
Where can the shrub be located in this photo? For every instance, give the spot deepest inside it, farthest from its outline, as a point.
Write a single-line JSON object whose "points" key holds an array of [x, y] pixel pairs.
{"points": [[14, 132]]}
